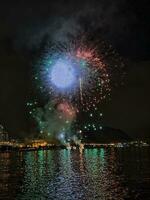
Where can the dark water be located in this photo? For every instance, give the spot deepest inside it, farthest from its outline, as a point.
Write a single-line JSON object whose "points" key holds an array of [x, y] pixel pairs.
{"points": [[68, 175]]}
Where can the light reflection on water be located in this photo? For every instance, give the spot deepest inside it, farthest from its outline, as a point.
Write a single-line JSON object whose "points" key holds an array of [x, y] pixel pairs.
{"points": [[69, 174]]}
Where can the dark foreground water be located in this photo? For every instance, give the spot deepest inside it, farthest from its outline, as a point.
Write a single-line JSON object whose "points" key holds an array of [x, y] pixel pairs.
{"points": [[122, 173]]}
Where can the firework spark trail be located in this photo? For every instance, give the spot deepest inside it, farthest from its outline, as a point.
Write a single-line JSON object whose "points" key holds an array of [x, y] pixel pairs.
{"points": [[81, 95]]}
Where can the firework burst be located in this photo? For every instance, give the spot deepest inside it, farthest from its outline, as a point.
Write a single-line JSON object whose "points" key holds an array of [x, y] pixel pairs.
{"points": [[75, 77], [77, 72]]}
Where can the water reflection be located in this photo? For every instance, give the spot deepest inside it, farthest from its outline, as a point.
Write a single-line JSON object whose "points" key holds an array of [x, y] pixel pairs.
{"points": [[72, 174]]}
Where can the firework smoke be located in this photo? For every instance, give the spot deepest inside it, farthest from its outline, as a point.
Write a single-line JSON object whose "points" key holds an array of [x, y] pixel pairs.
{"points": [[55, 120]]}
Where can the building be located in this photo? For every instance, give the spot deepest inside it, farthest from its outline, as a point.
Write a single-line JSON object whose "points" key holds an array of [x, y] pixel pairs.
{"points": [[3, 134]]}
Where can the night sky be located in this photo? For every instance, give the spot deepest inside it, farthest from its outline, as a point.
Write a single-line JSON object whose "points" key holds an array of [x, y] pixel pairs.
{"points": [[25, 26]]}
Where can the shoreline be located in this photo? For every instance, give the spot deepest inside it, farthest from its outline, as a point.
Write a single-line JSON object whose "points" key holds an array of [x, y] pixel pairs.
{"points": [[18, 149]]}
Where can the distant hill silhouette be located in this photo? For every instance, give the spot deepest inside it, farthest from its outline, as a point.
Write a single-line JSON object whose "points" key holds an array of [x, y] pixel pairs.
{"points": [[106, 135]]}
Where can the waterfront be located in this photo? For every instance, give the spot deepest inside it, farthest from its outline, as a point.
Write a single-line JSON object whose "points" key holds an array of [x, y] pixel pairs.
{"points": [[97, 173]]}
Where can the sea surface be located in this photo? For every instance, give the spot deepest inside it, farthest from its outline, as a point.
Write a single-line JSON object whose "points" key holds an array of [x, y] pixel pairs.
{"points": [[98, 173]]}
